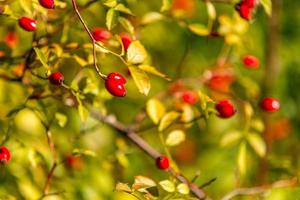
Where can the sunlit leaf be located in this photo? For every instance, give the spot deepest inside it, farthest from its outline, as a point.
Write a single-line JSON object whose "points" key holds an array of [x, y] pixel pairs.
{"points": [[175, 137], [257, 143], [166, 5], [155, 109], [141, 80], [123, 187], [143, 182], [267, 5], [199, 29], [83, 112], [84, 152], [111, 17], [127, 25], [211, 10], [154, 71], [183, 188], [110, 3], [122, 8], [61, 119], [136, 53], [167, 185], [41, 56], [231, 138], [167, 120], [242, 158], [152, 17]]}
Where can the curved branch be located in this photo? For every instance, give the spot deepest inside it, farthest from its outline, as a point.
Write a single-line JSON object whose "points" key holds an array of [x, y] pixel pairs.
{"points": [[149, 150]]}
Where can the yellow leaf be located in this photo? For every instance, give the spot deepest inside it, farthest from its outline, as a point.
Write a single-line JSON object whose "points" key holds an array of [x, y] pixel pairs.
{"points": [[199, 29], [242, 158], [141, 80], [167, 185], [231, 138], [154, 71], [175, 138], [136, 53], [211, 10], [167, 120], [183, 188], [257, 143], [155, 109]]}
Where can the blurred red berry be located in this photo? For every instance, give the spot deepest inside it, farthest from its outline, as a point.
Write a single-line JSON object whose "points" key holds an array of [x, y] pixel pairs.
{"points": [[126, 40], [27, 24], [225, 109], [49, 4], [74, 162], [251, 61], [56, 78], [4, 155], [101, 34], [244, 11], [11, 39], [162, 162], [114, 84], [189, 97], [250, 3], [270, 104]]}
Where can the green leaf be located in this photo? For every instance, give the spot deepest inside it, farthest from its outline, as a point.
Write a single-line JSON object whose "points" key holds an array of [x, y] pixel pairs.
{"points": [[151, 17], [175, 138], [211, 10], [167, 120], [183, 188], [155, 109], [267, 5], [141, 80], [61, 119], [242, 158], [136, 53], [83, 112], [111, 3], [122, 8], [84, 152], [80, 61], [166, 5], [41, 56], [127, 25], [199, 29], [111, 18], [27, 6], [154, 71], [167, 185], [231, 138], [257, 143]]}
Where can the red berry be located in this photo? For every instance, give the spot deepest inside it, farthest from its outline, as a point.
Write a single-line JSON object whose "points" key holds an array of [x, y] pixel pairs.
{"points": [[56, 78], [270, 104], [189, 97], [74, 162], [126, 40], [251, 61], [162, 162], [225, 109], [27, 24], [4, 155], [114, 84], [100, 34], [249, 3], [11, 39], [49, 4], [244, 11]]}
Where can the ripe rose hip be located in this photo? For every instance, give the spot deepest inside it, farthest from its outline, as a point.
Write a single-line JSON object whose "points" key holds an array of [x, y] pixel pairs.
{"points": [[100, 34], [56, 78], [27, 24], [249, 3], [162, 162], [4, 155], [189, 97], [11, 39], [244, 11], [251, 61], [225, 109], [126, 40], [270, 104], [49, 4], [114, 84]]}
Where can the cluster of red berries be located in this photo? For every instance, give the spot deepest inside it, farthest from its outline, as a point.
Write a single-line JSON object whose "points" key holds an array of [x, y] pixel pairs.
{"points": [[4, 155], [29, 24], [226, 109], [245, 8], [189, 97]]}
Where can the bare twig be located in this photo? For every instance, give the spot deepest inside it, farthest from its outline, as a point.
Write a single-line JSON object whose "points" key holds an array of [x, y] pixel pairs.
{"points": [[143, 145], [94, 42]]}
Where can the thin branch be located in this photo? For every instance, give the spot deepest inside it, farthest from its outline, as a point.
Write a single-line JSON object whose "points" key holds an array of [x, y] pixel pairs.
{"points": [[94, 42], [149, 150]]}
